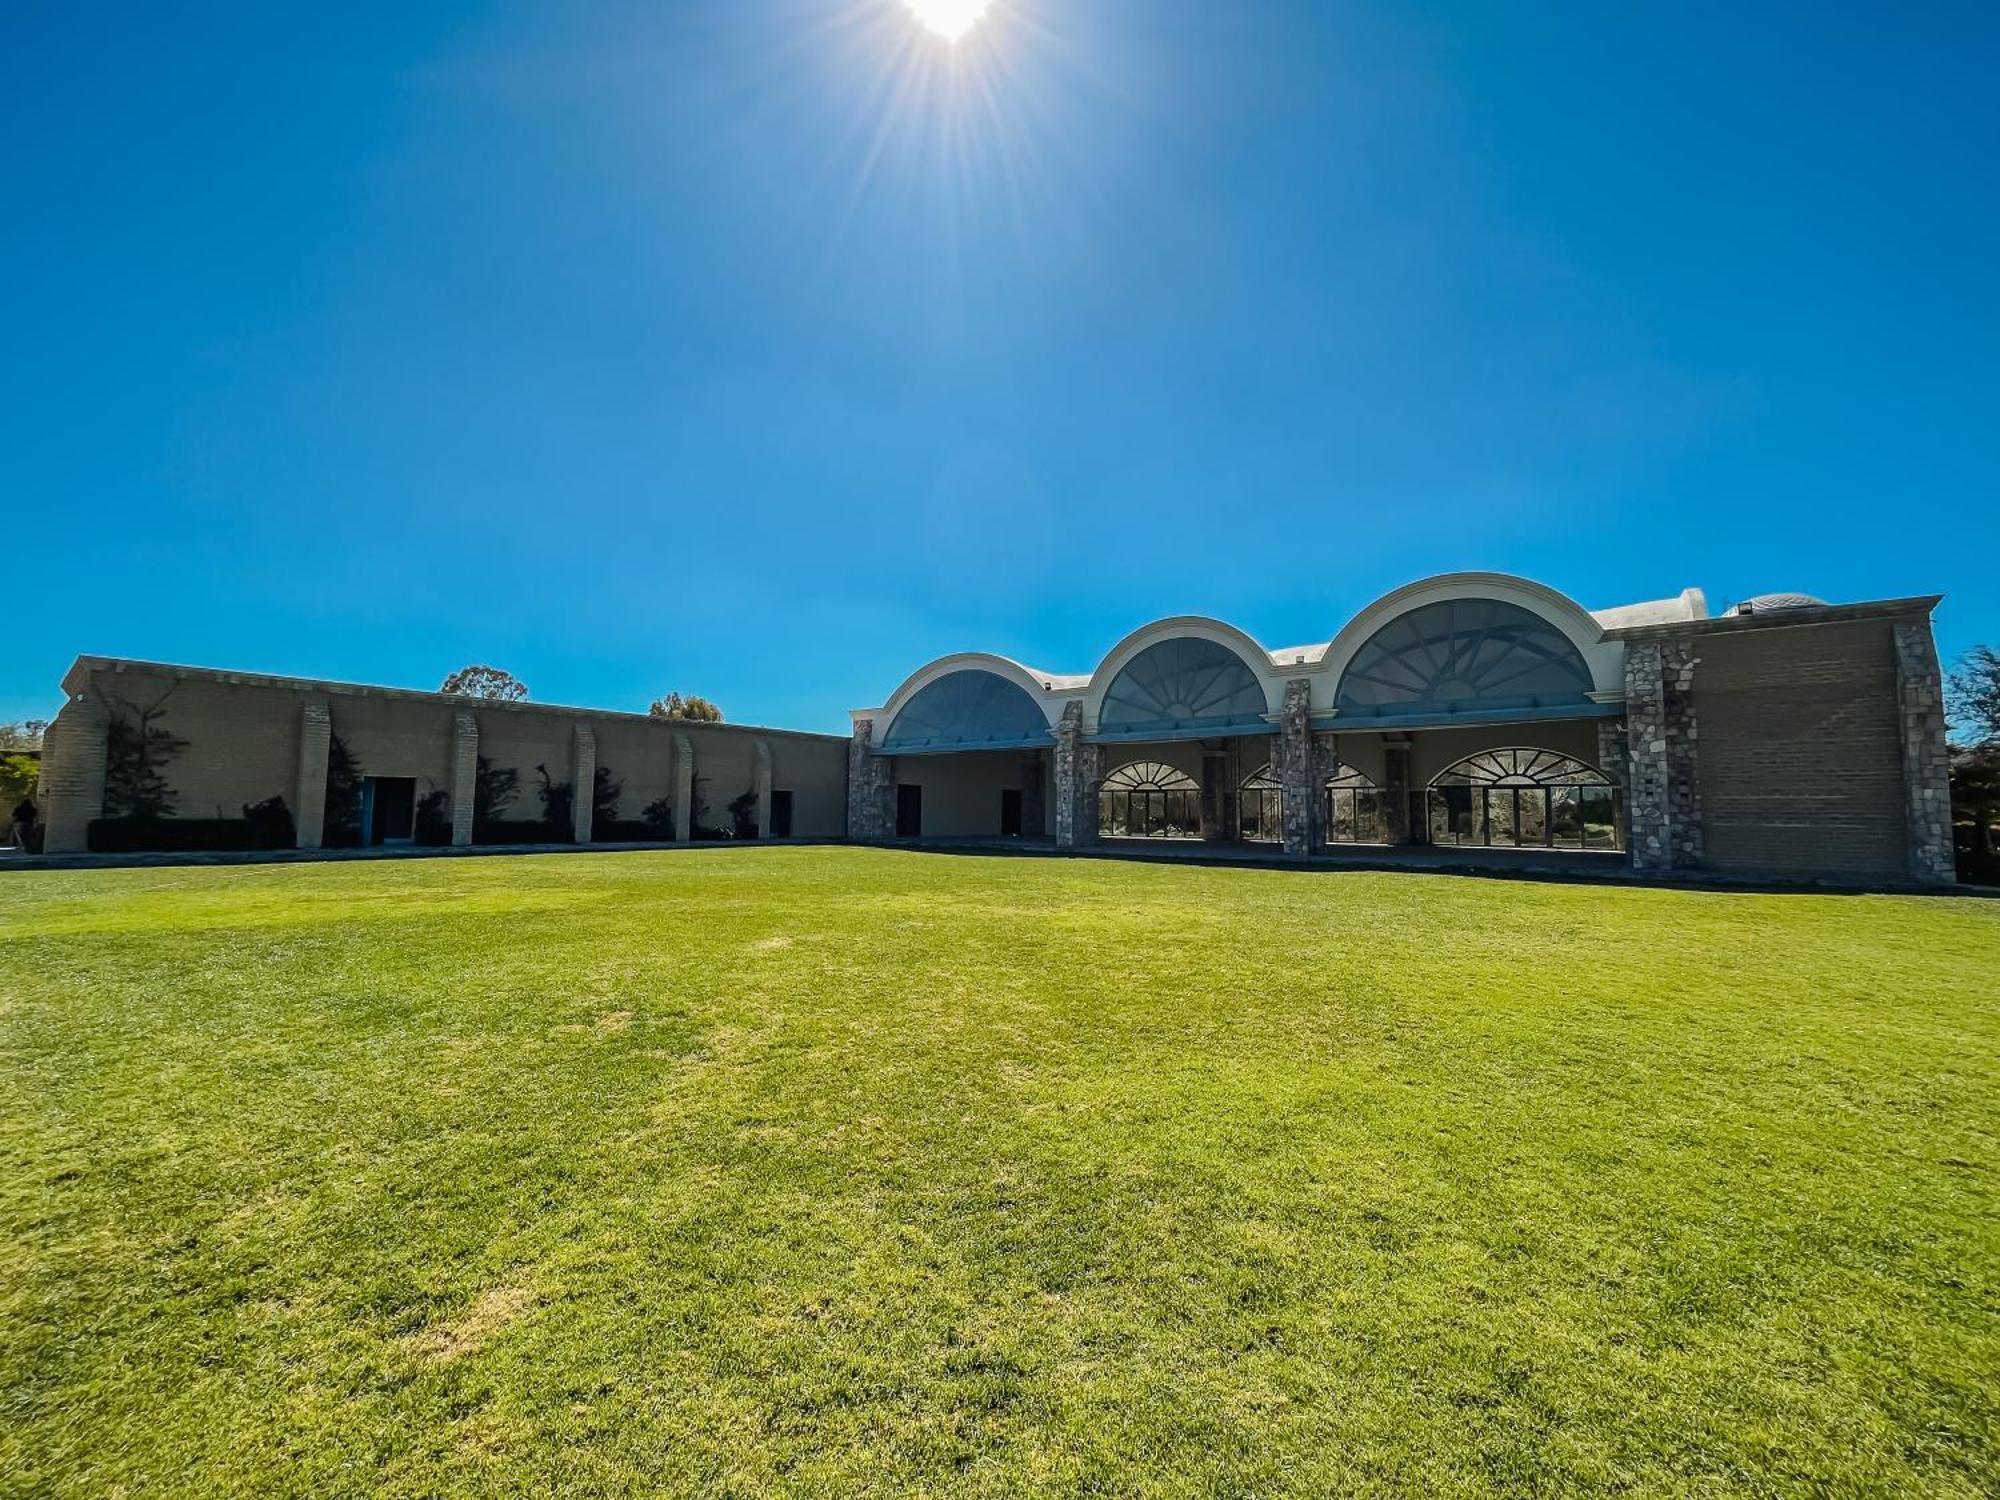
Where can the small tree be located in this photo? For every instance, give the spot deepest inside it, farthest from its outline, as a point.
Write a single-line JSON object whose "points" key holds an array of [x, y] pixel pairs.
{"points": [[136, 747], [1975, 810], [692, 706], [19, 774], [493, 792], [485, 682], [557, 797], [23, 734], [1975, 695], [658, 816], [343, 793], [604, 795]]}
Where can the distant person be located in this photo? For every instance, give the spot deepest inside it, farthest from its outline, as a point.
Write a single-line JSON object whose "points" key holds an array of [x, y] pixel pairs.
{"points": [[24, 825]]}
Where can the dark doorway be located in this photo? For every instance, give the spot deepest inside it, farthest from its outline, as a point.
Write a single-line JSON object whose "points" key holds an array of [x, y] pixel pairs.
{"points": [[781, 816], [909, 812], [1010, 814], [389, 808]]}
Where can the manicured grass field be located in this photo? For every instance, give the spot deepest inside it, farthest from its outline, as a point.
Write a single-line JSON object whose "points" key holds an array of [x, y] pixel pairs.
{"points": [[826, 1171]]}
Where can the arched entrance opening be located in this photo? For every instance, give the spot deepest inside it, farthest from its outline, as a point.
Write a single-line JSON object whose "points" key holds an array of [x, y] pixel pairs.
{"points": [[1525, 798], [1148, 800]]}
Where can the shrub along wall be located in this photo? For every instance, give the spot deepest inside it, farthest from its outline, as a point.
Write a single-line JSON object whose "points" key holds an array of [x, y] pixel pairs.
{"points": [[267, 825]]}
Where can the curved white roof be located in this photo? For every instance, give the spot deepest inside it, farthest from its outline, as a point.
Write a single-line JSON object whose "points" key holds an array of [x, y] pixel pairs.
{"points": [[1689, 604]]}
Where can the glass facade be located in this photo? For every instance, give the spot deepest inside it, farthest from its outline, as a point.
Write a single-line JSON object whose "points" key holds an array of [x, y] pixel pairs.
{"points": [[1524, 799], [1463, 656], [1178, 684], [1356, 812], [967, 710], [1260, 808], [1148, 800]]}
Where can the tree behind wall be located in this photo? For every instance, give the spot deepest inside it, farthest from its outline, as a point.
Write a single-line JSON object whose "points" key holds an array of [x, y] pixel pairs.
{"points": [[1975, 696], [691, 707], [485, 682], [1975, 764], [23, 734]]}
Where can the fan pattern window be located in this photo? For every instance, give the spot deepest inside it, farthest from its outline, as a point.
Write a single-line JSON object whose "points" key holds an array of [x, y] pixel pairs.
{"points": [[1356, 812], [1260, 806], [1524, 798], [967, 710], [1148, 800], [1179, 683], [1460, 656]]}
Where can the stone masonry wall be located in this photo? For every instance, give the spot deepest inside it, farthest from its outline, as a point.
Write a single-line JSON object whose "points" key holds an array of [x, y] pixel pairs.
{"points": [[1299, 793], [1663, 801], [871, 790], [1926, 760]]}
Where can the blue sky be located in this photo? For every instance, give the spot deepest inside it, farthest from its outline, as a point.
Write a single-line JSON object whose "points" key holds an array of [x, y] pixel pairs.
{"points": [[766, 348]]}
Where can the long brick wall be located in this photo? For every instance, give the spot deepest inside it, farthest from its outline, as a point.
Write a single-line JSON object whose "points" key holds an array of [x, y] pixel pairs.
{"points": [[1801, 751]]}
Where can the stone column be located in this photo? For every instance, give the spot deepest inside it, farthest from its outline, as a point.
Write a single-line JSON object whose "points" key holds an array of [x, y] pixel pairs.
{"points": [[1218, 822], [763, 788], [871, 787], [72, 779], [464, 774], [683, 787], [309, 797], [1926, 760], [1396, 756], [1034, 798], [583, 782], [1299, 802], [1077, 775], [1663, 801]]}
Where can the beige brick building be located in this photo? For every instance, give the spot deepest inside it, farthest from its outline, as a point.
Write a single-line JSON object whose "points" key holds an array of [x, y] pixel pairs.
{"points": [[1472, 711]]}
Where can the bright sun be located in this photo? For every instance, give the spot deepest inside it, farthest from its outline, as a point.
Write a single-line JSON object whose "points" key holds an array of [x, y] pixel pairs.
{"points": [[950, 19]]}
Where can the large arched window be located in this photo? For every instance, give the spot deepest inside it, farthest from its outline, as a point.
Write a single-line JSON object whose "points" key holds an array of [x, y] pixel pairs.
{"points": [[1260, 806], [1147, 800], [1355, 810], [1524, 798], [971, 709], [1186, 683], [1460, 657]]}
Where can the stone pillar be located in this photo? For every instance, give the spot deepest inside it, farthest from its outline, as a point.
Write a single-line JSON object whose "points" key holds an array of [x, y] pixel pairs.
{"points": [[464, 774], [1298, 796], [762, 785], [1077, 775], [1663, 800], [1218, 797], [309, 798], [72, 779], [583, 782], [1926, 760], [871, 787], [1396, 757], [683, 787], [1034, 798], [1614, 759]]}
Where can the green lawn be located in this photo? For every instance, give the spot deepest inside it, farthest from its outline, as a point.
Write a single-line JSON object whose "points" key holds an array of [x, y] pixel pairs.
{"points": [[814, 1171]]}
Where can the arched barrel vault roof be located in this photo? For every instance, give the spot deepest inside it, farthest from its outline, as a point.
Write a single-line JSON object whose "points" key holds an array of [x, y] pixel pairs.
{"points": [[1605, 659], [1037, 685], [1199, 627]]}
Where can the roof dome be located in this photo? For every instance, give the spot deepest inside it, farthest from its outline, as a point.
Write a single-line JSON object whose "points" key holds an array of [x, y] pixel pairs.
{"points": [[1764, 604]]}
